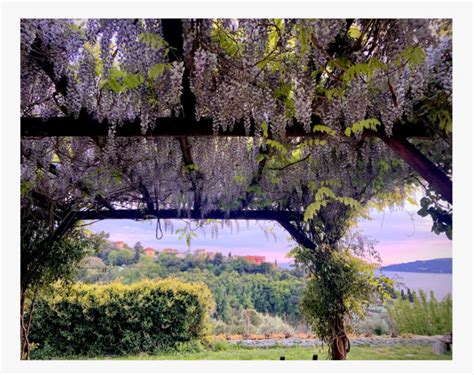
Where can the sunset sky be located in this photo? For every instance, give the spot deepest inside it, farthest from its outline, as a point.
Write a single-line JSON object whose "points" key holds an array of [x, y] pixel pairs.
{"points": [[402, 236]]}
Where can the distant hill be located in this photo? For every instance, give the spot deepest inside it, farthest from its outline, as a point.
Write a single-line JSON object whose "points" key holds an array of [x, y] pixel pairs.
{"points": [[440, 265]]}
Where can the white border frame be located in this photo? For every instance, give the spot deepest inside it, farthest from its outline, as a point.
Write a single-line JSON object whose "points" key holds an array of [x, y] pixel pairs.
{"points": [[460, 12]]}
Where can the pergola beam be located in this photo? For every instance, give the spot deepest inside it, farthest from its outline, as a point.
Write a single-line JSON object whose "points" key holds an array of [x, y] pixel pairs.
{"points": [[135, 214], [87, 126], [420, 163]]}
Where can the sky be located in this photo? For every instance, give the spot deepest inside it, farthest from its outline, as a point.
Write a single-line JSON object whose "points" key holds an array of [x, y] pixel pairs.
{"points": [[401, 235]]}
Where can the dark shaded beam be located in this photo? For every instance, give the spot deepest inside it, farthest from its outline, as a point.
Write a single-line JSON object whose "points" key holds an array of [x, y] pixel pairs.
{"points": [[193, 175], [437, 179], [165, 127], [193, 214], [297, 235], [173, 35]]}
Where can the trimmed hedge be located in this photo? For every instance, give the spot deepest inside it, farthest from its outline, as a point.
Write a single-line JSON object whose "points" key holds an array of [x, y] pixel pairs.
{"points": [[117, 319]]}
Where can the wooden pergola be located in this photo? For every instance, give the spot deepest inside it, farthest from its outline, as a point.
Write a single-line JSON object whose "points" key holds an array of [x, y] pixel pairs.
{"points": [[186, 126]]}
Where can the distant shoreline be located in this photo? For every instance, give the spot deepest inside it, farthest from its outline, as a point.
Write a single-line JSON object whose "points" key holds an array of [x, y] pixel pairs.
{"points": [[437, 266], [424, 272]]}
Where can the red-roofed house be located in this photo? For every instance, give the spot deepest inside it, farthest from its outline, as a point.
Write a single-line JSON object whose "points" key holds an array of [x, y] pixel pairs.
{"points": [[258, 260], [119, 244], [149, 251]]}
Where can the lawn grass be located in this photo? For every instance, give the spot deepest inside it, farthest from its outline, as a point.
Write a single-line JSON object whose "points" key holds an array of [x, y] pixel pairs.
{"points": [[393, 352]]}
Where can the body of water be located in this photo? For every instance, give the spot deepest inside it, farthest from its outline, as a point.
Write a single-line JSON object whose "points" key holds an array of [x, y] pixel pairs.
{"points": [[439, 283]]}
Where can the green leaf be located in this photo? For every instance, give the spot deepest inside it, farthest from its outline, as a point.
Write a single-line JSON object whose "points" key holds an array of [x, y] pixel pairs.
{"points": [[324, 129], [132, 81], [411, 201], [265, 129], [359, 126], [239, 179], [366, 69], [350, 202], [324, 192], [350, 73], [383, 166], [261, 157], [114, 85], [425, 202], [191, 167], [116, 73], [283, 91], [311, 211], [55, 158], [153, 40], [304, 38], [117, 176], [413, 55], [445, 120], [226, 41], [272, 39], [277, 145], [354, 32], [423, 212], [120, 80], [157, 70]]}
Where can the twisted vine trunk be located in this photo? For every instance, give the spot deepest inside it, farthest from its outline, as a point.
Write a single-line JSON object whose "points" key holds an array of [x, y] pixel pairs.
{"points": [[25, 324], [24, 344], [24, 328], [339, 346]]}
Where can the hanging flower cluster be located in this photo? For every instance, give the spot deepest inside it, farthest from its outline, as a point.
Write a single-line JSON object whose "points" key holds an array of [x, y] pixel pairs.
{"points": [[265, 74], [241, 70]]}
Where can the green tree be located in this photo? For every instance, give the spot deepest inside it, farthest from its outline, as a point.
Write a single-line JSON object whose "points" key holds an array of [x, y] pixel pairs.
{"points": [[342, 285], [138, 248], [47, 256], [218, 259], [121, 257]]}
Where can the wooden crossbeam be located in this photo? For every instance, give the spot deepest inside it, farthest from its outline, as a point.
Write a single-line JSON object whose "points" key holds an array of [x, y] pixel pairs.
{"points": [[87, 126], [420, 163], [135, 214]]}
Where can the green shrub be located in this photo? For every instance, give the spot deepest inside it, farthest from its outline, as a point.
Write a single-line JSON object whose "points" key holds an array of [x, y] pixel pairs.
{"points": [[374, 322], [274, 325], [378, 330], [220, 345], [220, 328], [193, 346], [117, 319], [421, 317], [250, 322]]}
